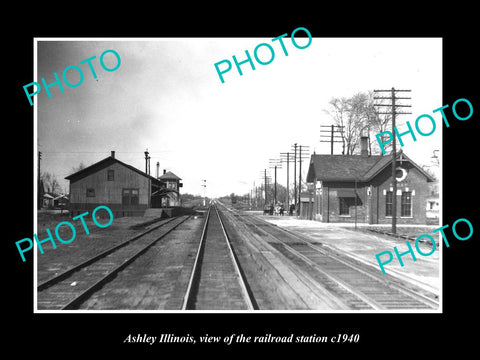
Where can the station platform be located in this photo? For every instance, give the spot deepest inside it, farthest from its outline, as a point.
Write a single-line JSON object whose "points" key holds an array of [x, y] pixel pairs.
{"points": [[425, 272]]}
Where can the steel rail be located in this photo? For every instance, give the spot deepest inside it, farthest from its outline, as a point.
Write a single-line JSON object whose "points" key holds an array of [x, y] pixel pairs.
{"points": [[334, 278], [187, 299], [347, 262], [383, 279], [249, 299], [192, 288], [57, 278], [93, 288]]}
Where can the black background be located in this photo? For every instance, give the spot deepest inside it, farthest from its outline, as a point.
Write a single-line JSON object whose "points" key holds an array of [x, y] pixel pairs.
{"points": [[380, 334]]}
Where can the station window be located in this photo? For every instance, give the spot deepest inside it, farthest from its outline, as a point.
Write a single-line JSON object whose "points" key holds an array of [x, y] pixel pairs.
{"points": [[130, 196], [344, 209], [406, 201], [389, 203], [110, 175], [134, 197]]}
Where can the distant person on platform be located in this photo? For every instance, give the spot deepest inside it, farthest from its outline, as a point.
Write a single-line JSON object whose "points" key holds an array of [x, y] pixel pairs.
{"points": [[292, 209]]}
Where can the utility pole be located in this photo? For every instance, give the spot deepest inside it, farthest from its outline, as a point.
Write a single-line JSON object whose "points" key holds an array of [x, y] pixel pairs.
{"points": [[393, 112], [333, 138], [299, 180], [251, 196], [204, 192], [435, 158], [295, 176], [265, 178], [275, 164], [265, 188], [147, 163], [303, 150], [287, 156], [259, 195]]}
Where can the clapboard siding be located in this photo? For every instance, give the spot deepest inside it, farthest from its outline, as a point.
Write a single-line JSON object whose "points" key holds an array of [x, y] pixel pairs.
{"points": [[110, 192]]}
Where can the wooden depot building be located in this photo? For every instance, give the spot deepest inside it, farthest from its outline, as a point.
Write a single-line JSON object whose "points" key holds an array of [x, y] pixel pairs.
{"points": [[126, 190], [171, 182], [349, 188]]}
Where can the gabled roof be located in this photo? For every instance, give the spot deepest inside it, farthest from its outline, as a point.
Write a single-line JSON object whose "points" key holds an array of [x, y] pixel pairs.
{"points": [[387, 161], [102, 164], [340, 167], [383, 162], [169, 176], [353, 167]]}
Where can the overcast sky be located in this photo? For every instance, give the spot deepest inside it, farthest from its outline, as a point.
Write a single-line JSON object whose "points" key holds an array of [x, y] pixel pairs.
{"points": [[166, 96]]}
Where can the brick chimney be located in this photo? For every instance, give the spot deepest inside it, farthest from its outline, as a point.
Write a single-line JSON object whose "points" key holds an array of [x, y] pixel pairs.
{"points": [[364, 146], [112, 154]]}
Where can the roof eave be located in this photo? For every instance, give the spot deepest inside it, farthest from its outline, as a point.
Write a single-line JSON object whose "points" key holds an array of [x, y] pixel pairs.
{"points": [[78, 175], [342, 179]]}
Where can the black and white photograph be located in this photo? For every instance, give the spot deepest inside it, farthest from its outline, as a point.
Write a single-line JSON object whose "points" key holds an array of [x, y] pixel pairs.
{"points": [[257, 188], [191, 188]]}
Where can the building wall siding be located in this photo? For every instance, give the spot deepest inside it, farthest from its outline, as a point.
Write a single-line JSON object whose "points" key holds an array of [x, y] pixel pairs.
{"points": [[416, 183], [172, 199], [109, 192], [118, 210], [371, 202], [331, 202]]}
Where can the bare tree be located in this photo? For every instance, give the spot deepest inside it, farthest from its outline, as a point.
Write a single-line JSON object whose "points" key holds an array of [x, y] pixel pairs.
{"points": [[338, 113], [361, 112], [376, 122], [281, 192], [358, 117], [50, 183], [81, 166], [348, 113]]}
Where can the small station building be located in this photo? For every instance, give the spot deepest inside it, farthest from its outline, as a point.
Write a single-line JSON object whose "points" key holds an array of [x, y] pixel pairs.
{"points": [[349, 188], [171, 182]]}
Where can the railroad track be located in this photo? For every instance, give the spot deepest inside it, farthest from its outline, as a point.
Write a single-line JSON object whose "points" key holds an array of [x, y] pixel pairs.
{"points": [[217, 281], [71, 288], [355, 284]]}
